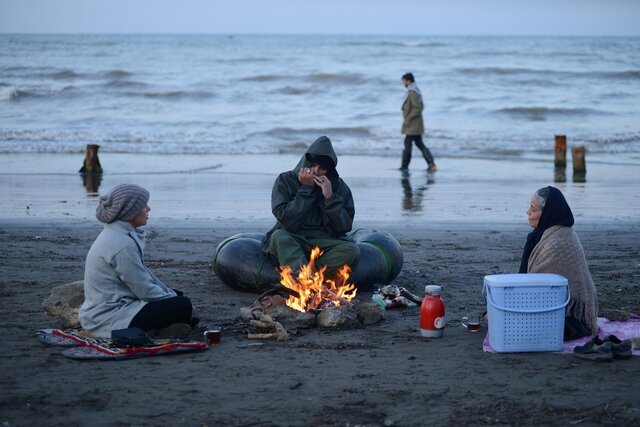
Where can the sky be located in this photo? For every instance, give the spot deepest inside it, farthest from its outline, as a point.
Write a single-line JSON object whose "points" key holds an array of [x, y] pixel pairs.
{"points": [[416, 17]]}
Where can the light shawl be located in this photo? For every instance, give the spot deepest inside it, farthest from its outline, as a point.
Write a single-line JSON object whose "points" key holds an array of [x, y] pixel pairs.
{"points": [[413, 87], [559, 251]]}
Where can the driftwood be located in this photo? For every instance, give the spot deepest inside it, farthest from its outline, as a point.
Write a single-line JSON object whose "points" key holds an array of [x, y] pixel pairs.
{"points": [[267, 328]]}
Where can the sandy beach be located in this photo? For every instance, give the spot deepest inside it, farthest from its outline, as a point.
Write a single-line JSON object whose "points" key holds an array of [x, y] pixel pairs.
{"points": [[466, 221]]}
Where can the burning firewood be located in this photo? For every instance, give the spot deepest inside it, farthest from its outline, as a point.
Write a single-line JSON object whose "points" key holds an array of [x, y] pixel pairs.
{"points": [[311, 290]]}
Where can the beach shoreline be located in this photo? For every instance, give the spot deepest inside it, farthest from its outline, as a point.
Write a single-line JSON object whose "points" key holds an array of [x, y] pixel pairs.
{"points": [[220, 187]]}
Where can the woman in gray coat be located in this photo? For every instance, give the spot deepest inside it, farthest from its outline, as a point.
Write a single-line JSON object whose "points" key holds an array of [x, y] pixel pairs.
{"points": [[119, 290]]}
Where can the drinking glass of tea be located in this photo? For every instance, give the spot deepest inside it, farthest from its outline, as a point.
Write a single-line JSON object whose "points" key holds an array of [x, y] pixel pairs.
{"points": [[471, 322]]}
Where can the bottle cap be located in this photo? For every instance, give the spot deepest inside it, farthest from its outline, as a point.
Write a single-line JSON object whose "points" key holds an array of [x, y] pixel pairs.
{"points": [[433, 290]]}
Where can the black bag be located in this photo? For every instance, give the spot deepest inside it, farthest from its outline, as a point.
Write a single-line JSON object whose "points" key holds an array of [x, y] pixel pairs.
{"points": [[130, 337]]}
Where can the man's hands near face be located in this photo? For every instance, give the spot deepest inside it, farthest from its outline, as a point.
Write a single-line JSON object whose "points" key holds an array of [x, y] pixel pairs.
{"points": [[307, 176], [325, 184]]}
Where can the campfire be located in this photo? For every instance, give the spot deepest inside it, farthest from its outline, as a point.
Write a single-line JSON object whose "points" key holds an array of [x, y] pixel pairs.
{"points": [[312, 291]]}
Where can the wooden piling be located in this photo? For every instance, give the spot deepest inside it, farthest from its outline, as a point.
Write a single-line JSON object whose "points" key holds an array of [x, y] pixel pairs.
{"points": [[561, 151], [91, 161], [579, 161], [560, 174]]}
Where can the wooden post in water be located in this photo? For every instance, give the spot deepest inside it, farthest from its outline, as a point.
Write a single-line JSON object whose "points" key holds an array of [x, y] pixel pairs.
{"points": [[579, 162], [91, 160], [561, 151], [91, 169]]}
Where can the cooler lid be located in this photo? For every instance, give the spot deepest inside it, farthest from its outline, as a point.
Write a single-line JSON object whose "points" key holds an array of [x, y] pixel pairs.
{"points": [[528, 279]]}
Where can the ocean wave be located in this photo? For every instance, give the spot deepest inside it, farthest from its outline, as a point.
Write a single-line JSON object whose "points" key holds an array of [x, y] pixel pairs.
{"points": [[398, 43], [347, 78], [319, 77], [500, 71], [174, 94], [124, 84], [289, 90], [546, 73], [12, 93], [310, 134], [117, 74], [244, 60], [623, 75], [542, 113], [615, 139], [264, 78], [64, 74], [347, 140]]}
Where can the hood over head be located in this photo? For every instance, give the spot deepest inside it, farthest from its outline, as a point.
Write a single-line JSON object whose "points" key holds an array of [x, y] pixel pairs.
{"points": [[321, 152]]}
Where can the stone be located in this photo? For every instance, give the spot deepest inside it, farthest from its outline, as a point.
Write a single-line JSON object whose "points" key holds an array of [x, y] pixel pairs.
{"points": [[369, 313], [338, 317], [64, 303], [292, 319], [615, 314]]}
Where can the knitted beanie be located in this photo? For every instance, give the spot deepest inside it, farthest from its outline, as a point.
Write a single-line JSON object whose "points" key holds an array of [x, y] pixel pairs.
{"points": [[124, 202]]}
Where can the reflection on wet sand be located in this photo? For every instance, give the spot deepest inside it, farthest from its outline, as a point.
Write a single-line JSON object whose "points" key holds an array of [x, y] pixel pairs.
{"points": [[412, 199], [91, 182]]}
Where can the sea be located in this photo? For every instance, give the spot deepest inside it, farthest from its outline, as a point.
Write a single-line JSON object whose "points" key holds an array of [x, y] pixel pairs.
{"points": [[485, 97]]}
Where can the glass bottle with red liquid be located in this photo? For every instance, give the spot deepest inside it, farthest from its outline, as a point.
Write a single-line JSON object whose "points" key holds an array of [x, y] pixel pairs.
{"points": [[432, 320]]}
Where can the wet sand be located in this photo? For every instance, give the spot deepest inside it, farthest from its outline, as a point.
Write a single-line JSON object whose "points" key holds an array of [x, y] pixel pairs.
{"points": [[468, 222]]}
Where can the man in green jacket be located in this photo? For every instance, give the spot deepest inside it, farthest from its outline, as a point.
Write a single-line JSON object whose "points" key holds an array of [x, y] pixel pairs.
{"points": [[313, 207], [413, 125]]}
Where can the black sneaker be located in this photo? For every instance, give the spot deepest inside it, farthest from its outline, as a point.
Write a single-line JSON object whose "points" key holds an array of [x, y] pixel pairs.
{"points": [[596, 349], [621, 349]]}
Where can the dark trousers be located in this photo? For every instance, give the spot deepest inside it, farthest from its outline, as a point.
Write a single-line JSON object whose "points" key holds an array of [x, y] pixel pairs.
{"points": [[406, 154], [164, 312], [293, 250]]}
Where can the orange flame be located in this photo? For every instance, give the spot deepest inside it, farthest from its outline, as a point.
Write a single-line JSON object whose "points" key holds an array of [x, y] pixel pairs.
{"points": [[315, 292]]}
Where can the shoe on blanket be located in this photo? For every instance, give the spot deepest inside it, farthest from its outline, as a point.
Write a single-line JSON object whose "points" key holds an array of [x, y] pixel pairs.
{"points": [[175, 330], [596, 349], [621, 349]]}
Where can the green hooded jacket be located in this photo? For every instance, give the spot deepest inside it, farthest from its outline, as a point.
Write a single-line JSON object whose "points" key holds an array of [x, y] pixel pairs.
{"points": [[303, 210]]}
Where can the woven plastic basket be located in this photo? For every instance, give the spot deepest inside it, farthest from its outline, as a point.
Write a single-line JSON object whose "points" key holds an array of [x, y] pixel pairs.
{"points": [[526, 311]]}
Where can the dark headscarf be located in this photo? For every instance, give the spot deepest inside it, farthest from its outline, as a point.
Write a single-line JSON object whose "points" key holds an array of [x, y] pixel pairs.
{"points": [[556, 211]]}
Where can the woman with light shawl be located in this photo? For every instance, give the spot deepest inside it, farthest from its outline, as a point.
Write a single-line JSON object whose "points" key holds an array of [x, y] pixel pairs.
{"points": [[554, 247]]}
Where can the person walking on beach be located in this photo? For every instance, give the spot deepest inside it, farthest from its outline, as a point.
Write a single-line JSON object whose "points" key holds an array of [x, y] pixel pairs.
{"points": [[313, 207], [413, 125], [119, 290]]}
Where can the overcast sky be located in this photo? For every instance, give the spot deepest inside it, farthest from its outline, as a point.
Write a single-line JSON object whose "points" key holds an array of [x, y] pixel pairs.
{"points": [[429, 17]]}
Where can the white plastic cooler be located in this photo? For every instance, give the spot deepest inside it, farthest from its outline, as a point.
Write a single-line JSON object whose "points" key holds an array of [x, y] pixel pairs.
{"points": [[526, 311]]}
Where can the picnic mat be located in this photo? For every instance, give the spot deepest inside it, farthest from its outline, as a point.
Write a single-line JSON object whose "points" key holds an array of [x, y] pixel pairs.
{"points": [[82, 346], [624, 330]]}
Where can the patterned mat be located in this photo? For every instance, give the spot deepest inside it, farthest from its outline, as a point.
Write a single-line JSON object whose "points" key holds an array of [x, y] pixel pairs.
{"points": [[623, 330], [82, 346]]}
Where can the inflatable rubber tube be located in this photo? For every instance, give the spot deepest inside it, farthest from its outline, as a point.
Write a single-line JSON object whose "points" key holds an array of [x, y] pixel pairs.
{"points": [[387, 261], [240, 264]]}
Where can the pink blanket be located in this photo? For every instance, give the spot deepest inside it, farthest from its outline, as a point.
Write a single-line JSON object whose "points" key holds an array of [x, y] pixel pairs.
{"points": [[623, 330]]}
